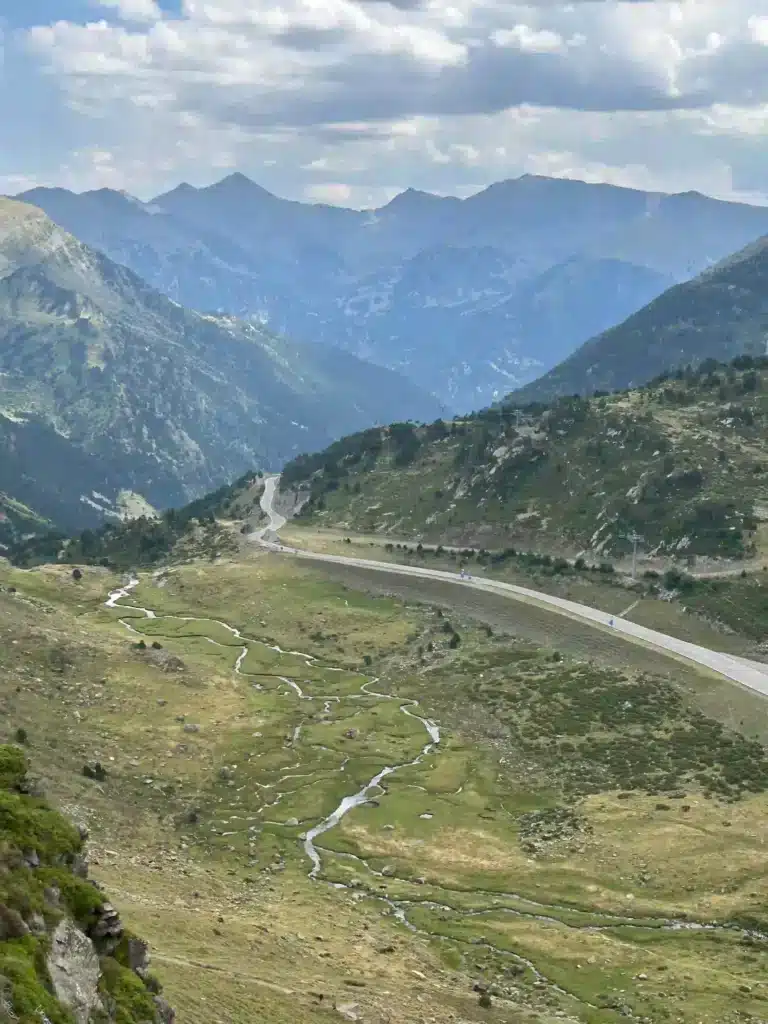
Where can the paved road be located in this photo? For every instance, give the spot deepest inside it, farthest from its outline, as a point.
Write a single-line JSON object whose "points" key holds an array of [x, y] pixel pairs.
{"points": [[751, 674]]}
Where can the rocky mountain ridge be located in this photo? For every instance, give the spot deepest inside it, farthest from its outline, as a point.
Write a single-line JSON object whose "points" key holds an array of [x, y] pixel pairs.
{"points": [[469, 298]]}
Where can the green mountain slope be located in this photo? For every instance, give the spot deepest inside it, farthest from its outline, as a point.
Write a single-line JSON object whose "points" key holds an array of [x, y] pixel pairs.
{"points": [[718, 315], [172, 402], [682, 461], [64, 954]]}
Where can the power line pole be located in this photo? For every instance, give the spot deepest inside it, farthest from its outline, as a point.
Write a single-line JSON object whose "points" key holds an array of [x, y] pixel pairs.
{"points": [[635, 538]]}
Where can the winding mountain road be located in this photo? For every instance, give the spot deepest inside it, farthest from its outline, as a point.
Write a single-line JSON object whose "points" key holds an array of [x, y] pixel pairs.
{"points": [[751, 674]]}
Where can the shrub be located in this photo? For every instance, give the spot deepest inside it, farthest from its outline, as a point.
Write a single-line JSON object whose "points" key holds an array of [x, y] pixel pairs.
{"points": [[13, 767]]}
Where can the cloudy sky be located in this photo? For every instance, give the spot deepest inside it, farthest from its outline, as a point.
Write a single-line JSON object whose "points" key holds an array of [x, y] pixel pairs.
{"points": [[351, 101]]}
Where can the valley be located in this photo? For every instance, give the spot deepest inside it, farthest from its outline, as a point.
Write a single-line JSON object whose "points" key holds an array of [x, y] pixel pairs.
{"points": [[405, 735], [544, 840], [383, 513]]}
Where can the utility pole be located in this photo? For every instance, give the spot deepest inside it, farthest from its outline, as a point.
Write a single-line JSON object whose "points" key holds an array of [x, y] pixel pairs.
{"points": [[635, 538]]}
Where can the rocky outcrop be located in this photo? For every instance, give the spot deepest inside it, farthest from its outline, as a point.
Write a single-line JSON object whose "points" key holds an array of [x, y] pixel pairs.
{"points": [[74, 969], [75, 954], [108, 929]]}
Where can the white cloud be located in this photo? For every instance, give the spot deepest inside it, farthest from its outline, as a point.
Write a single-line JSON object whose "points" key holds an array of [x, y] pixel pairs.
{"points": [[329, 192], [343, 99], [133, 10], [529, 40]]}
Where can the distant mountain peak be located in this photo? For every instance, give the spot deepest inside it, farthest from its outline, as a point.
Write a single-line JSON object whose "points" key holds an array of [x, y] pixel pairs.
{"points": [[236, 178], [184, 190], [40, 190], [114, 196], [238, 184], [412, 197]]}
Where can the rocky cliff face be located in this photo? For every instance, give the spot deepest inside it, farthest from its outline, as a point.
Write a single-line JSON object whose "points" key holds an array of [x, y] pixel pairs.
{"points": [[65, 957]]}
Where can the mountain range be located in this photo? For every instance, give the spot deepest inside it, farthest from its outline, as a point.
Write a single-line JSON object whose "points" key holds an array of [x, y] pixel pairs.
{"points": [[122, 388], [469, 298]]}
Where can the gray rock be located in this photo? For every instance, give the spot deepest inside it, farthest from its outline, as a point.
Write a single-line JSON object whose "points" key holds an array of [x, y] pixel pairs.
{"points": [[165, 661], [37, 924], [138, 956], [52, 895], [12, 924], [80, 866], [349, 1011], [108, 929], [73, 966], [292, 822], [191, 727], [165, 1012]]}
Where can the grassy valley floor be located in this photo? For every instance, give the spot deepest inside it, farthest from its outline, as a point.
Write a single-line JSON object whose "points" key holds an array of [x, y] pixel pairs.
{"points": [[586, 842]]}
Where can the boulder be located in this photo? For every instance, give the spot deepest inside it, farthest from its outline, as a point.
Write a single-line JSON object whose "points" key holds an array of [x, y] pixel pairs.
{"points": [[164, 1010], [37, 924], [137, 956], [349, 1011], [52, 895], [108, 929], [12, 924], [73, 966]]}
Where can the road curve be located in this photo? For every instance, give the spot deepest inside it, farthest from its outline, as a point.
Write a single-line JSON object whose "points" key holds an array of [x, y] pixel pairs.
{"points": [[751, 674]]}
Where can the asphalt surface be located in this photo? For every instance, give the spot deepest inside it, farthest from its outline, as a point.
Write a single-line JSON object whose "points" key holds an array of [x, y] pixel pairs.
{"points": [[751, 674]]}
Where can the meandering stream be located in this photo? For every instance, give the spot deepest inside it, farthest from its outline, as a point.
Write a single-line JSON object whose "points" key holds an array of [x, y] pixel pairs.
{"points": [[349, 802]]}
